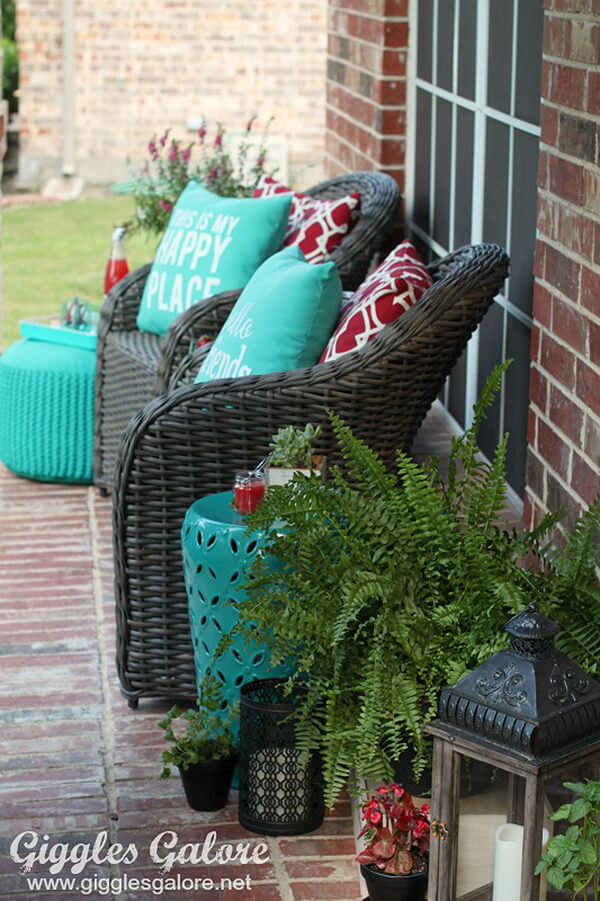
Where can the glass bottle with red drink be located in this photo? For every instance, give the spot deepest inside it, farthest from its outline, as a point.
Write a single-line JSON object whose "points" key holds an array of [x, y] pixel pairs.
{"points": [[116, 266]]}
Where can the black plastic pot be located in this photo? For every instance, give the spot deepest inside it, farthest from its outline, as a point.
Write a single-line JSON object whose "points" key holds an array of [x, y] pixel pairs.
{"points": [[206, 784], [474, 777], [386, 887]]}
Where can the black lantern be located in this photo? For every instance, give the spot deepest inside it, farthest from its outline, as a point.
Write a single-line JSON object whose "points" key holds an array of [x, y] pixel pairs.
{"points": [[528, 710], [279, 794]]}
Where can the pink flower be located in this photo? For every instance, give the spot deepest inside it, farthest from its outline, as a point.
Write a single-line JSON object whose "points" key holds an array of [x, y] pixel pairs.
{"points": [[163, 140], [213, 173], [152, 149], [173, 152], [167, 207], [185, 154], [201, 134], [219, 140]]}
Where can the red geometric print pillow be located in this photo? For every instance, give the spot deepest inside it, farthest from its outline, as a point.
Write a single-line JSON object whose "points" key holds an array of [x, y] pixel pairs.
{"points": [[317, 226], [382, 298]]}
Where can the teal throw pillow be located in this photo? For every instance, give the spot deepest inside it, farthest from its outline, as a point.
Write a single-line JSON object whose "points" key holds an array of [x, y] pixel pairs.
{"points": [[211, 244], [282, 320]]}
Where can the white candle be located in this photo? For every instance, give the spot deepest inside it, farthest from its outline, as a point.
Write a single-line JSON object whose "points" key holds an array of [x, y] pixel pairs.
{"points": [[507, 863], [277, 782]]}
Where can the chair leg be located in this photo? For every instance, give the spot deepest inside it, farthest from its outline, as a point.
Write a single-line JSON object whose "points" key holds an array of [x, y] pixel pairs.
{"points": [[133, 703]]}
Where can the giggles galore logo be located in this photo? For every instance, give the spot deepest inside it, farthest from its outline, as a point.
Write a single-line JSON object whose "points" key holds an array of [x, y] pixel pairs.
{"points": [[29, 848]]}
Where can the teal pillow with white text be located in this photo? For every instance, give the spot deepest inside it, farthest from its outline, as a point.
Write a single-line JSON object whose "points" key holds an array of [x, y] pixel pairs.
{"points": [[282, 320], [211, 244]]}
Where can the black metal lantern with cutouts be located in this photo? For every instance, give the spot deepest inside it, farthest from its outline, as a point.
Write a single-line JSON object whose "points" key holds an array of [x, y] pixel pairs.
{"points": [[529, 710]]}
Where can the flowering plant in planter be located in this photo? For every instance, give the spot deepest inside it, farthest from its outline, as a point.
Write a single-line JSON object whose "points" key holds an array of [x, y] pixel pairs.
{"points": [[397, 832], [169, 169]]}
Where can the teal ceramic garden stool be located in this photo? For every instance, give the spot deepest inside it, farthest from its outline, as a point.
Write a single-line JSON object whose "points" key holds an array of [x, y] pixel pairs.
{"points": [[47, 411], [216, 555]]}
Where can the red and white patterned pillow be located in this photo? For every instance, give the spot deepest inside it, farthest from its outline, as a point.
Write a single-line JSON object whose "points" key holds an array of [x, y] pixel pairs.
{"points": [[382, 298], [317, 226]]}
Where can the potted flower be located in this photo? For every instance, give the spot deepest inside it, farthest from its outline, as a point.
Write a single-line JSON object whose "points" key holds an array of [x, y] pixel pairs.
{"points": [[204, 753], [571, 860], [292, 451], [394, 862]]}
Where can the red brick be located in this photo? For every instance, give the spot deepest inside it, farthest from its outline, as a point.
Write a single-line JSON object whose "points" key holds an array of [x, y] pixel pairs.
{"points": [[590, 290], [542, 305], [562, 272], [538, 388], [392, 121], [390, 92], [324, 891], [566, 179], [397, 8], [564, 85], [565, 413], [539, 262], [591, 191], [394, 62], [574, 230], [531, 427], [556, 36], [584, 479], [593, 97], [535, 343], [392, 152], [396, 34], [577, 136], [594, 342], [553, 449], [548, 124], [569, 325], [558, 361], [316, 847], [588, 386], [584, 41], [592, 438], [543, 178]]}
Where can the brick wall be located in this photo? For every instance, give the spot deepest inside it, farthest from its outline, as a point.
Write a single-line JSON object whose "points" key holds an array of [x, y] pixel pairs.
{"points": [[564, 416], [146, 65], [366, 86]]}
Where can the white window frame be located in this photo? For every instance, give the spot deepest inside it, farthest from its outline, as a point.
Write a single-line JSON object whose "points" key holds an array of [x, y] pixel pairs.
{"points": [[482, 112]]}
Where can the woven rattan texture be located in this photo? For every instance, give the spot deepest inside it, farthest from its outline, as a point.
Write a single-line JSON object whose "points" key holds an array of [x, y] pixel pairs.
{"points": [[141, 376], [190, 442], [47, 414]]}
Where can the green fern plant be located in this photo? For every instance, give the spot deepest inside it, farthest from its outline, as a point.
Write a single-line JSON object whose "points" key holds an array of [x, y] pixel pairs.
{"points": [[388, 586]]}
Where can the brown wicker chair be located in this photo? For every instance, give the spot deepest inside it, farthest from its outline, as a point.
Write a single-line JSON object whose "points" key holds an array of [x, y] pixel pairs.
{"points": [[133, 367], [190, 442]]}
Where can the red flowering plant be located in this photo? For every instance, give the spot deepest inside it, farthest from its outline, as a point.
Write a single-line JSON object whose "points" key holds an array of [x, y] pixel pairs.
{"points": [[170, 167], [396, 831]]}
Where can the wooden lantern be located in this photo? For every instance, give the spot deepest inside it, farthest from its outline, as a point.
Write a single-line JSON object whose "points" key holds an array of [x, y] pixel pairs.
{"points": [[528, 710]]}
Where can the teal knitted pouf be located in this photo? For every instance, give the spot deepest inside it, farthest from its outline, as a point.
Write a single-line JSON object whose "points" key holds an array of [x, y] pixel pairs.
{"points": [[47, 411]]}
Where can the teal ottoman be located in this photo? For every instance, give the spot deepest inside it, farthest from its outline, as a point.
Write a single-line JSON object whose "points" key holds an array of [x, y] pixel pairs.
{"points": [[47, 411]]}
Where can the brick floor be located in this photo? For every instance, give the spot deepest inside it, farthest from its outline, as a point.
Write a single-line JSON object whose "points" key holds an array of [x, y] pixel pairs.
{"points": [[75, 760]]}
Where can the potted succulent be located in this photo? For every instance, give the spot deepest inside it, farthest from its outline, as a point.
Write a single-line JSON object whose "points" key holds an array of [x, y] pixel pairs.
{"points": [[571, 861], [394, 861], [292, 450], [389, 586], [204, 753]]}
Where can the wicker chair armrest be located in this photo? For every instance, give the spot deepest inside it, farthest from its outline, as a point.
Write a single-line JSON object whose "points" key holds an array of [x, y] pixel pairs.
{"points": [[119, 310], [180, 340], [187, 370]]}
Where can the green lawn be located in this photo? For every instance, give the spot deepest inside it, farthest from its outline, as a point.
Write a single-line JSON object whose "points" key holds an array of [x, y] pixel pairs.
{"points": [[53, 252]]}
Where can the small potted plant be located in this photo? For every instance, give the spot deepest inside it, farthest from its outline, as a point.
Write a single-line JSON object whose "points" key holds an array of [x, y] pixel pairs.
{"points": [[571, 860], [203, 753], [394, 862], [292, 450]]}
